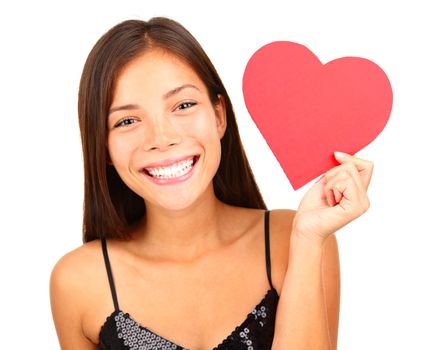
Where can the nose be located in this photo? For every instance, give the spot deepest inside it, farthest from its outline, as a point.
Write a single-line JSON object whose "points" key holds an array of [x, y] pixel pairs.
{"points": [[161, 134]]}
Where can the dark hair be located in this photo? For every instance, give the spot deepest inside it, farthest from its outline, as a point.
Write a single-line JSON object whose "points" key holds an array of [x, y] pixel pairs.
{"points": [[110, 207]]}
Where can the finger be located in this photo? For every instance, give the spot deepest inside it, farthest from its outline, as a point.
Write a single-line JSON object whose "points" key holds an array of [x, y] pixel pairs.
{"points": [[344, 175], [361, 164], [338, 195], [352, 198], [330, 193], [352, 202], [364, 167], [345, 170], [330, 197], [349, 193], [333, 197], [351, 169]]}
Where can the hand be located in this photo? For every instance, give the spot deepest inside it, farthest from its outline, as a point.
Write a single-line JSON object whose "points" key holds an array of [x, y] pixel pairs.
{"points": [[337, 198]]}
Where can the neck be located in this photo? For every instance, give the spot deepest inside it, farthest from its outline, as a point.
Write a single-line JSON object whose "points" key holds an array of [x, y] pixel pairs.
{"points": [[183, 234]]}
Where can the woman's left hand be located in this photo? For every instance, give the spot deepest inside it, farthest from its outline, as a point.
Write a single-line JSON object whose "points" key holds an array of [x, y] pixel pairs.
{"points": [[336, 199]]}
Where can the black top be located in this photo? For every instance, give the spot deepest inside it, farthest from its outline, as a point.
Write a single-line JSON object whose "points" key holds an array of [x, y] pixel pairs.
{"points": [[121, 332]]}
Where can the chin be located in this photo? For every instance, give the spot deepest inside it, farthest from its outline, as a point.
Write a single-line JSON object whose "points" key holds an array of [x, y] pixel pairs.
{"points": [[183, 201], [172, 207]]}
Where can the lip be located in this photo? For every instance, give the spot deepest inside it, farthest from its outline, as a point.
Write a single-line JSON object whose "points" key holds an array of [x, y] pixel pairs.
{"points": [[174, 180], [168, 162]]}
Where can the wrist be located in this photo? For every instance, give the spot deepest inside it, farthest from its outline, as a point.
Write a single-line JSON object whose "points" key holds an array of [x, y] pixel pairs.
{"points": [[304, 249], [306, 240]]}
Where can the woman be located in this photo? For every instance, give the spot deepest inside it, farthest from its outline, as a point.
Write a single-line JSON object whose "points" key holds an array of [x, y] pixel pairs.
{"points": [[180, 251]]}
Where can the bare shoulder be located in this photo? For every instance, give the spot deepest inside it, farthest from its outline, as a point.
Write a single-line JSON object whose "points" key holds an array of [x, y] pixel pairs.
{"points": [[71, 279], [281, 221], [73, 268]]}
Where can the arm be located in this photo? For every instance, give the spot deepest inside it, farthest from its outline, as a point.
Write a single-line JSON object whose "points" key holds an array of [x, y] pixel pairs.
{"points": [[309, 302], [308, 310], [66, 311]]}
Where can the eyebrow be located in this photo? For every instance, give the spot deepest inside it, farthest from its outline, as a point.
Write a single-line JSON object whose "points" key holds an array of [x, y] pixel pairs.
{"points": [[165, 96], [178, 89], [123, 108]]}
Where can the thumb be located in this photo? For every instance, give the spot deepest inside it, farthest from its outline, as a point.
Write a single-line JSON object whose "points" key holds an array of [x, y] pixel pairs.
{"points": [[341, 156]]}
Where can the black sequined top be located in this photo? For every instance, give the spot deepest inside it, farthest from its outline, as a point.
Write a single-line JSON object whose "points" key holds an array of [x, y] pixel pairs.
{"points": [[256, 332]]}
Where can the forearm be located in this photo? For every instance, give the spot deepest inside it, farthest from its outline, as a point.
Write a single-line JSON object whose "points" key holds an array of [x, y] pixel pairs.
{"points": [[301, 321]]}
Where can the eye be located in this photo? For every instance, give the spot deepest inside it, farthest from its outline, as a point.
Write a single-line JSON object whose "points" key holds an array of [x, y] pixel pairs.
{"points": [[186, 105], [125, 122]]}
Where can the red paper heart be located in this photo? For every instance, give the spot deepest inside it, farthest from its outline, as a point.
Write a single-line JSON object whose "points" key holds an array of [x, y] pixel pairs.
{"points": [[306, 110]]}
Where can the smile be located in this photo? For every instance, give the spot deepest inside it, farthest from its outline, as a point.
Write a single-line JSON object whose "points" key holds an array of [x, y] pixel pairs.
{"points": [[175, 170]]}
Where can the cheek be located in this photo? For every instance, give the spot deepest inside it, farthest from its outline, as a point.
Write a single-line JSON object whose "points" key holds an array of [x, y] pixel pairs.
{"points": [[207, 135], [205, 128], [119, 151]]}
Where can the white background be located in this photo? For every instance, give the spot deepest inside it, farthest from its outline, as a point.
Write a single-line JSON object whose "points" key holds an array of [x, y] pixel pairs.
{"points": [[384, 254]]}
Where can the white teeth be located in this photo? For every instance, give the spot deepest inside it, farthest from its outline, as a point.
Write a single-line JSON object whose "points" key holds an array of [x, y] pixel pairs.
{"points": [[178, 169]]}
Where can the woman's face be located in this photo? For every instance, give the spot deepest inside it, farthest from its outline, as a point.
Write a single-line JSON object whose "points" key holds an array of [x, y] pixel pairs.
{"points": [[163, 131]]}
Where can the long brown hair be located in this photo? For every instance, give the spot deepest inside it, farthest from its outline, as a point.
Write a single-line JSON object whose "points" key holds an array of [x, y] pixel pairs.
{"points": [[110, 207]]}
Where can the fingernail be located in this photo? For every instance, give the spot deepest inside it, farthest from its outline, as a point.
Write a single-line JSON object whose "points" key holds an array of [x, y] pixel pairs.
{"points": [[340, 154]]}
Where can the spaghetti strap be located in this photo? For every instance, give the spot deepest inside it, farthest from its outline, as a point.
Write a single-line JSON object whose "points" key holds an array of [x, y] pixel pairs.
{"points": [[267, 247], [109, 273]]}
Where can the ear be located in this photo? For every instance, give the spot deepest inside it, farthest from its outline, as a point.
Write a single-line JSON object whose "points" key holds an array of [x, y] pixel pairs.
{"points": [[220, 111]]}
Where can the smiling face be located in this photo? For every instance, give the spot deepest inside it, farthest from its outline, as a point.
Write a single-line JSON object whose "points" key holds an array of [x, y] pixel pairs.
{"points": [[163, 131]]}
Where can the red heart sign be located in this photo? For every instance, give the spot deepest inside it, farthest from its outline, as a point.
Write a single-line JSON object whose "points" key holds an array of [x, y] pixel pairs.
{"points": [[306, 110]]}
